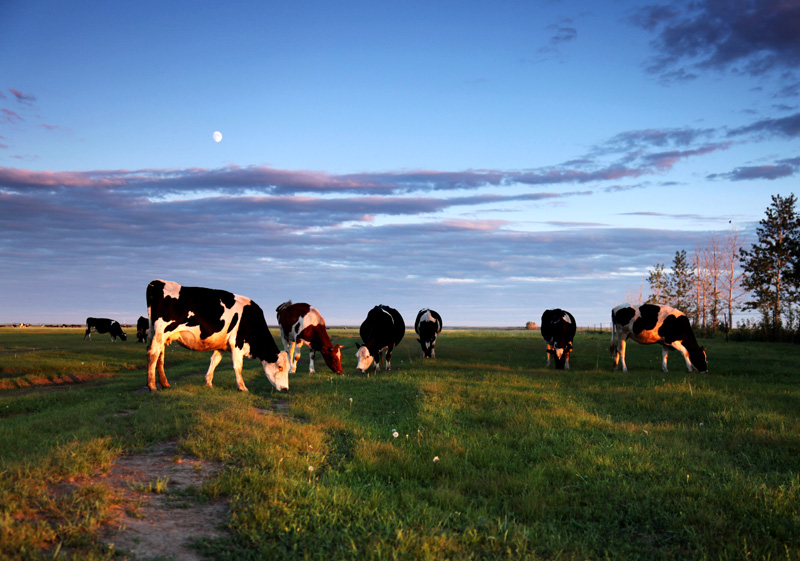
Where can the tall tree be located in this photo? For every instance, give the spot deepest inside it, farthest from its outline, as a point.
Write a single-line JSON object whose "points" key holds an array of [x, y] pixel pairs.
{"points": [[681, 282], [658, 280], [730, 277], [768, 264]]}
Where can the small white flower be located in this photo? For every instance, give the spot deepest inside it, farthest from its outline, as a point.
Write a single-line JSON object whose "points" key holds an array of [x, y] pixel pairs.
{"points": [[395, 433], [310, 469], [435, 459]]}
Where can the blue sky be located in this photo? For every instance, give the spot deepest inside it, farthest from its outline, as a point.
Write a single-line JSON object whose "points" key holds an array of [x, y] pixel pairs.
{"points": [[486, 159]]}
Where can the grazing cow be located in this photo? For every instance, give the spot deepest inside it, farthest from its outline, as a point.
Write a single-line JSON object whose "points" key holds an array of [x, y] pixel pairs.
{"points": [[558, 332], [104, 325], [205, 319], [383, 329], [142, 327], [301, 324], [428, 325], [650, 323]]}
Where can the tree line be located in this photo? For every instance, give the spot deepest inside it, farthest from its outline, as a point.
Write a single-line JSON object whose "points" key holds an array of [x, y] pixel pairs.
{"points": [[723, 276]]}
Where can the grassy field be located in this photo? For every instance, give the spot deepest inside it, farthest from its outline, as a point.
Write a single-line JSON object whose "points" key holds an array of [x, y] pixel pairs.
{"points": [[495, 455]]}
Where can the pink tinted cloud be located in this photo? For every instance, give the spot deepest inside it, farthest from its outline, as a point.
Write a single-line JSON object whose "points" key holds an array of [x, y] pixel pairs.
{"points": [[9, 116], [23, 98]]}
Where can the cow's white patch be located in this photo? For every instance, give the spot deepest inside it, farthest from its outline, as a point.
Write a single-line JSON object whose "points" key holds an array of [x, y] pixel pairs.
{"points": [[172, 290]]}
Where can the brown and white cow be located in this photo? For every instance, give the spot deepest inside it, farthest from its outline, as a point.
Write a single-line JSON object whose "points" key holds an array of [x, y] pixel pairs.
{"points": [[651, 323], [302, 324], [205, 319]]}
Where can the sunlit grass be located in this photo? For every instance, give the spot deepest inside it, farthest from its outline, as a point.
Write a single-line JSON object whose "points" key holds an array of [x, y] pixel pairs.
{"points": [[495, 456]]}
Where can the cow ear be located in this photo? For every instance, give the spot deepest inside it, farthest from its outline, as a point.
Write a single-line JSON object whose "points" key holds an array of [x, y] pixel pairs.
{"points": [[419, 340], [358, 346]]}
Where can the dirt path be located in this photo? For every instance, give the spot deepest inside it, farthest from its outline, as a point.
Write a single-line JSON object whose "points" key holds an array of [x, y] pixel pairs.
{"points": [[155, 524]]}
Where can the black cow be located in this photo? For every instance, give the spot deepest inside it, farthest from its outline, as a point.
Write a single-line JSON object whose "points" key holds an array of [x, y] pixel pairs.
{"points": [[104, 325], [558, 331], [650, 323], [428, 325], [383, 329], [205, 319], [142, 326]]}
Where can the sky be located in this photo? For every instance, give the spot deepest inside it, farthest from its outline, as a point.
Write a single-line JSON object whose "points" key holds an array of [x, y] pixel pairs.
{"points": [[488, 160]]}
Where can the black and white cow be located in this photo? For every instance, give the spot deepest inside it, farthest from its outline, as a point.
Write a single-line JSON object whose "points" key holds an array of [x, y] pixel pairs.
{"points": [[428, 325], [205, 319], [651, 323], [104, 325], [558, 331], [301, 324], [383, 329], [142, 327]]}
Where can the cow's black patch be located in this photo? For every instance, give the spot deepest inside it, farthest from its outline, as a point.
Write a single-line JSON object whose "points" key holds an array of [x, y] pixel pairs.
{"points": [[623, 316], [234, 321], [648, 318], [254, 331]]}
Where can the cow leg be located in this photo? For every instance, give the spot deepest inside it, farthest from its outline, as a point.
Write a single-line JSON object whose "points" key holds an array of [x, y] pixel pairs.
{"points": [[155, 362], [566, 364], [238, 361], [311, 355], [547, 351], [664, 355], [292, 357], [162, 377], [152, 361], [216, 357], [621, 354], [388, 359], [681, 349]]}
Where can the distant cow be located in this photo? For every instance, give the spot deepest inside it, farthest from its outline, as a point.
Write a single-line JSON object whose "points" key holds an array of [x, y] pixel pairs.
{"points": [[383, 329], [428, 325], [205, 319], [301, 324], [558, 332], [142, 326], [104, 325], [650, 323]]}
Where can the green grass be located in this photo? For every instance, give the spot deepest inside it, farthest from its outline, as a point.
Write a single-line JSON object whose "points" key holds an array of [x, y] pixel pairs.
{"points": [[532, 463]]}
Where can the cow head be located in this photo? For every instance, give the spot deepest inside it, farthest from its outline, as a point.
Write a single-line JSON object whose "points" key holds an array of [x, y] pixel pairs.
{"points": [[333, 358], [560, 354], [278, 372], [364, 358], [698, 359]]}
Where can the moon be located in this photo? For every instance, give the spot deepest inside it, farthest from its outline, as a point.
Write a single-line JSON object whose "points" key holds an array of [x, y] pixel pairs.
{"points": [[217, 136]]}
